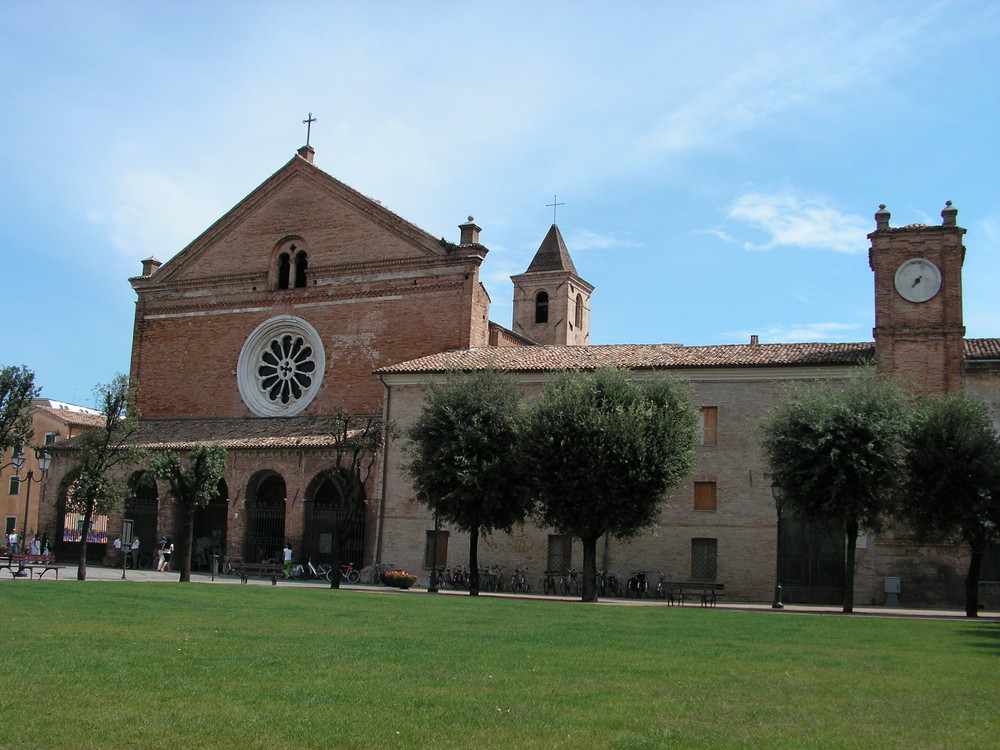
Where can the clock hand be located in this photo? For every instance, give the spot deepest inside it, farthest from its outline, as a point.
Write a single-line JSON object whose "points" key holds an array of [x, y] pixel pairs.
{"points": [[916, 281]]}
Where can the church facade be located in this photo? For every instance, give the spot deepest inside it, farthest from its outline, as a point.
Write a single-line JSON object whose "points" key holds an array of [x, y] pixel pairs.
{"points": [[308, 297]]}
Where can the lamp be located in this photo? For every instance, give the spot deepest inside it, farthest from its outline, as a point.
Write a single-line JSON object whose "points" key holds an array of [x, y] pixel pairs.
{"points": [[44, 461], [778, 494]]}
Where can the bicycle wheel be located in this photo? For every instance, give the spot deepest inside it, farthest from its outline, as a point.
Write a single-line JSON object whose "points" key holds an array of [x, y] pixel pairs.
{"points": [[354, 576], [548, 586]]}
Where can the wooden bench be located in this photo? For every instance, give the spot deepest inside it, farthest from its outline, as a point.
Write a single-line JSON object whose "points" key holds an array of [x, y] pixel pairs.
{"points": [[707, 592], [16, 565], [262, 569]]}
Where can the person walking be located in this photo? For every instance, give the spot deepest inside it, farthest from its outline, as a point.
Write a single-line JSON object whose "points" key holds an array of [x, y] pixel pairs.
{"points": [[160, 546], [287, 552], [135, 553]]}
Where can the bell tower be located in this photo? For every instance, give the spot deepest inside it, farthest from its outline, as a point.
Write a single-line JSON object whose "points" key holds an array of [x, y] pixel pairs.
{"points": [[919, 334], [551, 302]]}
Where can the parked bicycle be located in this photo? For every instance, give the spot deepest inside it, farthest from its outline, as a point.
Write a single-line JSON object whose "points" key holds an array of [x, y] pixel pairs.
{"points": [[638, 585], [549, 582], [491, 579], [378, 569], [319, 571], [607, 584], [568, 584], [349, 573], [519, 582], [662, 587]]}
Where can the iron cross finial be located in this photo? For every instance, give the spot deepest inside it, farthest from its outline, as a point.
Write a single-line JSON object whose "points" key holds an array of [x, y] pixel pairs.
{"points": [[554, 206], [308, 123]]}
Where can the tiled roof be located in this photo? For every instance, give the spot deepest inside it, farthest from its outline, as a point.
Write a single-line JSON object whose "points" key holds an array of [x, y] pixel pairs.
{"points": [[552, 254], [980, 349], [232, 434], [73, 417], [654, 356], [637, 357]]}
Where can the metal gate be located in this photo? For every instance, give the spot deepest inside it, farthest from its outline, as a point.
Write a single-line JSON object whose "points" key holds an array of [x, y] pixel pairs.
{"points": [[143, 507], [811, 562], [322, 521], [210, 526], [265, 521]]}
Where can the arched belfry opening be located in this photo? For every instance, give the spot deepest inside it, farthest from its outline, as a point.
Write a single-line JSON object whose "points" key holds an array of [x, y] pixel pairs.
{"points": [[291, 265], [541, 308], [264, 534]]}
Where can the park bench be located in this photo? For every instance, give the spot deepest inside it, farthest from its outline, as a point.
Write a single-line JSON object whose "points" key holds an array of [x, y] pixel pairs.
{"points": [[706, 592], [17, 564], [261, 569]]}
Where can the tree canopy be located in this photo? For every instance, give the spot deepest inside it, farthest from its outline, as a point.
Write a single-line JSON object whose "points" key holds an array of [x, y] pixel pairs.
{"points": [[463, 453], [833, 449], [192, 486], [602, 449], [17, 388], [952, 485]]}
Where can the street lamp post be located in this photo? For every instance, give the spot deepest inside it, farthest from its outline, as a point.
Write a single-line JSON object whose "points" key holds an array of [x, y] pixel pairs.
{"points": [[44, 461], [776, 492], [433, 588]]}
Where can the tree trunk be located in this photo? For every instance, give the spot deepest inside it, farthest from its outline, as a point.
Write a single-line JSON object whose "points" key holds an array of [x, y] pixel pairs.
{"points": [[336, 549], [81, 568], [474, 561], [590, 569], [852, 545], [187, 542], [972, 584]]}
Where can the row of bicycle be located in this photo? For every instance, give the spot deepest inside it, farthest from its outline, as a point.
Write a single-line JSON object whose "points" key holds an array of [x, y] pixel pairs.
{"points": [[566, 582]]}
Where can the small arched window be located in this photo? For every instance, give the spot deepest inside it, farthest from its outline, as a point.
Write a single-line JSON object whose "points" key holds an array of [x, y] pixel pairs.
{"points": [[578, 318], [283, 270], [542, 307], [301, 263]]}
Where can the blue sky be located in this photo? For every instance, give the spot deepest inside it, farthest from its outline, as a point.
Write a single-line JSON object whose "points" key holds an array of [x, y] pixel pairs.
{"points": [[719, 162]]}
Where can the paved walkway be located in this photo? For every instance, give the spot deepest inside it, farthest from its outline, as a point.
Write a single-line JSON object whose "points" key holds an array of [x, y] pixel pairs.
{"points": [[100, 573]]}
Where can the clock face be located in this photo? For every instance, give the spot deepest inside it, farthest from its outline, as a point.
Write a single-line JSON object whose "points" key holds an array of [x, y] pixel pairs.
{"points": [[917, 280]]}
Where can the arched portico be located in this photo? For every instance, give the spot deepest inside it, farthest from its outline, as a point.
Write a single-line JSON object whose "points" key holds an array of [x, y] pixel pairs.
{"points": [[264, 535], [328, 514], [142, 507], [211, 525]]}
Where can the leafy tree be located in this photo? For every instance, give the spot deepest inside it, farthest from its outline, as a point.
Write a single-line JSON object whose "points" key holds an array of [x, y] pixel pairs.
{"points": [[17, 388], [602, 450], [358, 441], [192, 487], [834, 452], [97, 489], [463, 450], [953, 478]]}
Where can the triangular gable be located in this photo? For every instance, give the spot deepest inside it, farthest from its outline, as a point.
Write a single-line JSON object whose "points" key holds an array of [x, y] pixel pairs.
{"points": [[339, 224]]}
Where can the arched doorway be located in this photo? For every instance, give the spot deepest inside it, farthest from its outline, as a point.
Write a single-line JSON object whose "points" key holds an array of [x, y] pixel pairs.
{"points": [[265, 517], [142, 507], [327, 515], [211, 523]]}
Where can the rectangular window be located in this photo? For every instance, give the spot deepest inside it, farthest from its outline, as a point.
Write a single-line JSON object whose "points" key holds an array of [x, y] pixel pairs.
{"points": [[50, 437], [436, 549], [11, 525], [560, 553], [703, 556], [15, 485], [991, 564], [709, 425], [704, 496]]}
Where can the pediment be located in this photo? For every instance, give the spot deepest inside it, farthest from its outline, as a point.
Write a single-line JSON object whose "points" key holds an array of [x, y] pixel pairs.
{"points": [[338, 225]]}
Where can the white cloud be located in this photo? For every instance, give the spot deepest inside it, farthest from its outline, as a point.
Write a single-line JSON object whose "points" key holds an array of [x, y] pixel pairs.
{"points": [[794, 221], [584, 239]]}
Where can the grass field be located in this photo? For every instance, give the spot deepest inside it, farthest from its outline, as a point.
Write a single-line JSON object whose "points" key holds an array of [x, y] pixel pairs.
{"points": [[153, 665]]}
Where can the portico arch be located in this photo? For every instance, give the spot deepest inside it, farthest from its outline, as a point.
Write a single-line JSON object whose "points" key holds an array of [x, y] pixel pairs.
{"points": [[265, 516], [327, 514]]}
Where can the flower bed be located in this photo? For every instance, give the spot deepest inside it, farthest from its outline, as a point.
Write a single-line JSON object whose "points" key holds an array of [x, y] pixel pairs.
{"points": [[399, 578]]}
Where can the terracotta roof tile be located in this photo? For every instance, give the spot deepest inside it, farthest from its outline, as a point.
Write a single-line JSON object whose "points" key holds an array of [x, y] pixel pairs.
{"points": [[73, 417], [233, 434], [654, 356]]}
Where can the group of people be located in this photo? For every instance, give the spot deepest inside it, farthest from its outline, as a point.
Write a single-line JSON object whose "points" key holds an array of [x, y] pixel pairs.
{"points": [[132, 552], [164, 551], [35, 545]]}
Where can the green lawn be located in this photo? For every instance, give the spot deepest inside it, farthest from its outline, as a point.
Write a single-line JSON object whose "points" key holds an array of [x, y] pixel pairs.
{"points": [[154, 665]]}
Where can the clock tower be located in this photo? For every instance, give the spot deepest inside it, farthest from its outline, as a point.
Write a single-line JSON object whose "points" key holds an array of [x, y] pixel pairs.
{"points": [[919, 335]]}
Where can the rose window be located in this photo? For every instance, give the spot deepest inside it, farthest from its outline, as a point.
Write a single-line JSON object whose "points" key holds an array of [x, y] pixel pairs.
{"points": [[280, 367]]}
